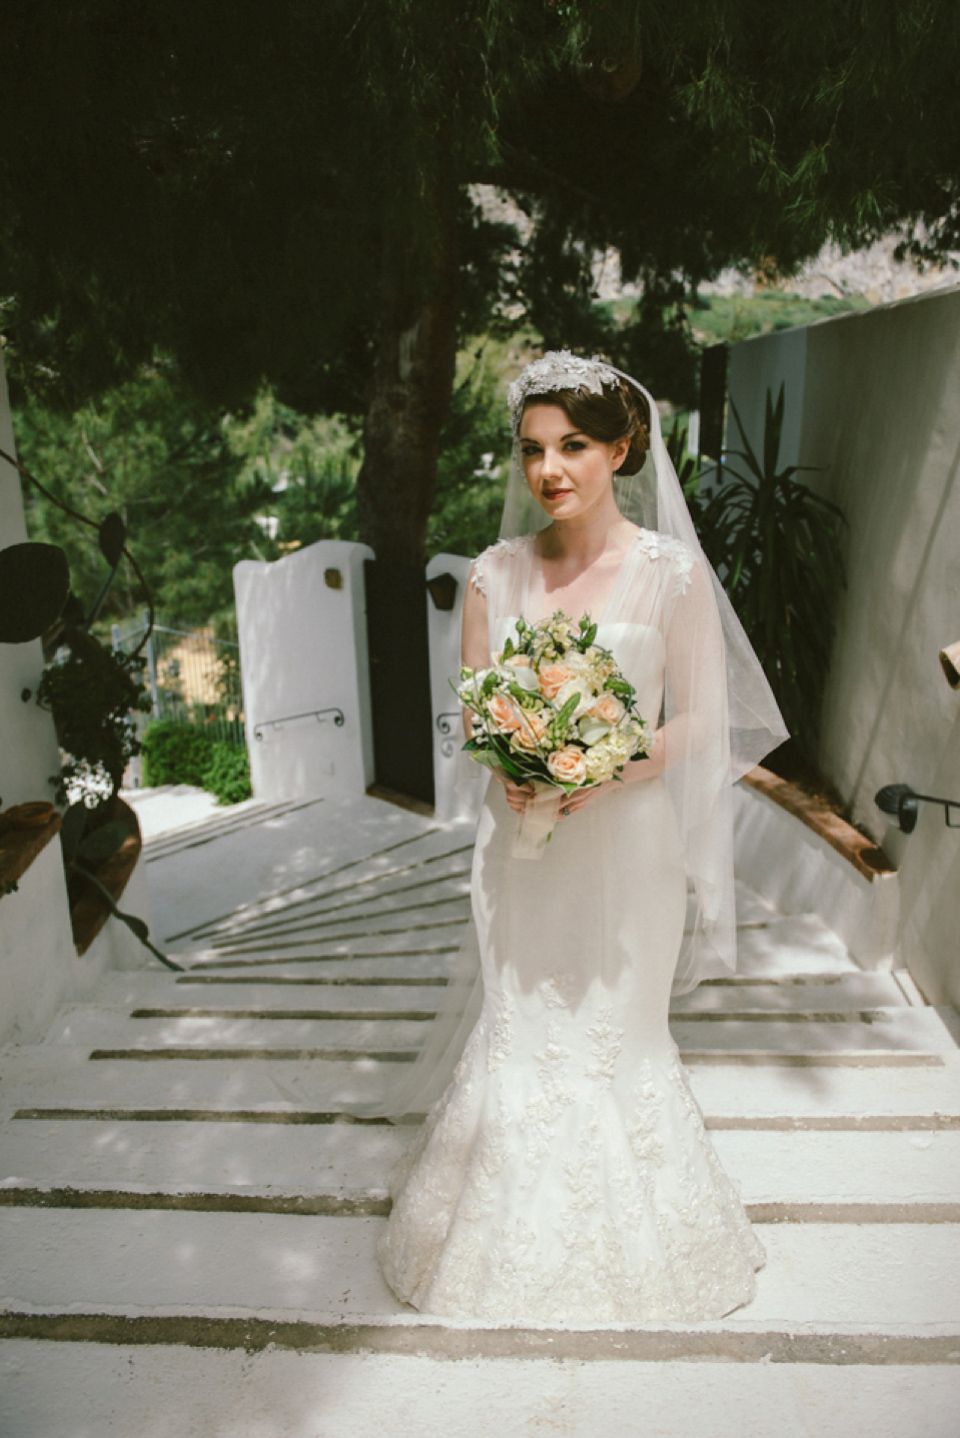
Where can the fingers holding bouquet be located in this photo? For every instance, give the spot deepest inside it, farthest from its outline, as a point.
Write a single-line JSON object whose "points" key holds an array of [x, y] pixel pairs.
{"points": [[518, 795]]}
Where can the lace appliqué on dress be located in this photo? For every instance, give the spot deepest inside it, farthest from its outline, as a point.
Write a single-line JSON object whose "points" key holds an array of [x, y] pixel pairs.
{"points": [[581, 1188], [501, 550], [664, 546]]}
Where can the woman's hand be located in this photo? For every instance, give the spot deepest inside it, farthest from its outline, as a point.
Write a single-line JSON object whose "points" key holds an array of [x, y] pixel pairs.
{"points": [[633, 773], [518, 795], [581, 797]]}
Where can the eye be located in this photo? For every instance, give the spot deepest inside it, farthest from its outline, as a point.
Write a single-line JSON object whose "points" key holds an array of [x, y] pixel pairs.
{"points": [[574, 444], [529, 448]]}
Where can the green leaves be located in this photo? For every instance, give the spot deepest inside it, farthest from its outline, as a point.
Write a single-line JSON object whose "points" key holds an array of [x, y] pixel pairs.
{"points": [[777, 546], [588, 633]]}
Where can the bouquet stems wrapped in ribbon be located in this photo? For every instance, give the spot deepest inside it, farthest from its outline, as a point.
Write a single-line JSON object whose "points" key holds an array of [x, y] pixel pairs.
{"points": [[553, 710]]}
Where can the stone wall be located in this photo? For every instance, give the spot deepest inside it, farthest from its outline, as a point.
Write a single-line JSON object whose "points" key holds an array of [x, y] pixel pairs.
{"points": [[39, 967], [873, 401]]}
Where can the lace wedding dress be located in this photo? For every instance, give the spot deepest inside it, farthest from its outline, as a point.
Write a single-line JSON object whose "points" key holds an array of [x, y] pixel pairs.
{"points": [[565, 1176]]}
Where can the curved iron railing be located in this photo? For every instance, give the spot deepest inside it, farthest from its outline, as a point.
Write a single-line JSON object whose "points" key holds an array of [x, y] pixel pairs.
{"points": [[319, 714]]}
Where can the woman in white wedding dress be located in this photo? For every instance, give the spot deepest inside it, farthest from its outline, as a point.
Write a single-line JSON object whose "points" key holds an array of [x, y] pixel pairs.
{"points": [[565, 1175]]}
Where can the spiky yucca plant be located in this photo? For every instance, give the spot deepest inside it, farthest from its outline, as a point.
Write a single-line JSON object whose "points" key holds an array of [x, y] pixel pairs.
{"points": [[777, 547]]}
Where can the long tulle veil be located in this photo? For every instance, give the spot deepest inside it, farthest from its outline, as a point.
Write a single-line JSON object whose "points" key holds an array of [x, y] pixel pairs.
{"points": [[731, 721]]}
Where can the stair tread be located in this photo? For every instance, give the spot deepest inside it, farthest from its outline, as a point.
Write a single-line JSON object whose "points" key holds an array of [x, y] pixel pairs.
{"points": [[133, 1261]]}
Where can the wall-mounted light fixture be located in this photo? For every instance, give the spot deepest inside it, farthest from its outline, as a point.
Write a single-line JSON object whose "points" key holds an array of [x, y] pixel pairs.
{"points": [[443, 590], [902, 804]]}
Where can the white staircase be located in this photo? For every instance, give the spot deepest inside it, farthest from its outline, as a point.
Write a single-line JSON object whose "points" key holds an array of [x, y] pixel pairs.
{"points": [[188, 1219]]}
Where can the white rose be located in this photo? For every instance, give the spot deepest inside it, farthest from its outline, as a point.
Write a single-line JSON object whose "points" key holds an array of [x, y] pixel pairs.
{"points": [[582, 691]]}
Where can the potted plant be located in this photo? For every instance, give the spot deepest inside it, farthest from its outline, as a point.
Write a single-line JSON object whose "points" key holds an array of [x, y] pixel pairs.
{"points": [[93, 694]]}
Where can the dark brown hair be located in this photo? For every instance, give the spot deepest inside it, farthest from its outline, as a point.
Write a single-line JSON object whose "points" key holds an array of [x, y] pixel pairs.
{"points": [[606, 417]]}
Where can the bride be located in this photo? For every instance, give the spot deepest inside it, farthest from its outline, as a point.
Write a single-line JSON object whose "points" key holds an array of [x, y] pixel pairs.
{"points": [[564, 1174]]}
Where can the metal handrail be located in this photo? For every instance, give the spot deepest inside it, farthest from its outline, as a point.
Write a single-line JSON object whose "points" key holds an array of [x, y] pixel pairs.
{"points": [[319, 714], [900, 801]]}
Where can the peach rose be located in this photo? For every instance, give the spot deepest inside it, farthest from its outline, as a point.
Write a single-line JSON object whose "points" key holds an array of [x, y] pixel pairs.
{"points": [[530, 731], [568, 765], [504, 714], [552, 679], [608, 708], [519, 661]]}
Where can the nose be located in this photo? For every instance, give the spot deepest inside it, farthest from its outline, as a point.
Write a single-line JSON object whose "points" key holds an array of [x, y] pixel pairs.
{"points": [[552, 463]]}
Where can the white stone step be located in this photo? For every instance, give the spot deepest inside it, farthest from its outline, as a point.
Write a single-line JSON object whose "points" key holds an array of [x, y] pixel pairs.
{"points": [[413, 929], [72, 1390], [420, 902], [879, 1031], [306, 855], [80, 1026], [453, 903], [408, 875], [390, 992], [281, 855], [786, 945], [404, 946], [904, 1030], [216, 823], [152, 1147], [893, 1277], [56, 1076], [836, 993]]}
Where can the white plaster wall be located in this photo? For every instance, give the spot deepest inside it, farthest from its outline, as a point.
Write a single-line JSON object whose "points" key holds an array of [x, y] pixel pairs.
{"points": [[39, 967], [459, 782], [303, 647], [759, 365], [28, 753], [798, 872], [880, 416], [115, 947]]}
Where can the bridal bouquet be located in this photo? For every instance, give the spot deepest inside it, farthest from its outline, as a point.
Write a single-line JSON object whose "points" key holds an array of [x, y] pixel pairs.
{"points": [[553, 710]]}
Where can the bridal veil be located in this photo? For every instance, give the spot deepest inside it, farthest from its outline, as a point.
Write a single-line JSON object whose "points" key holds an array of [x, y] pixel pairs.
{"points": [[719, 715]]}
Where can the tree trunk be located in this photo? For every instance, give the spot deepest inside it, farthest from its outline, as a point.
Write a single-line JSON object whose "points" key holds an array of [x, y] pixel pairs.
{"points": [[412, 382]]}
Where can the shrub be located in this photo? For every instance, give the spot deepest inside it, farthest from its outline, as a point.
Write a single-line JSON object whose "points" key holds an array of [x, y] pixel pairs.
{"points": [[228, 773], [175, 754]]}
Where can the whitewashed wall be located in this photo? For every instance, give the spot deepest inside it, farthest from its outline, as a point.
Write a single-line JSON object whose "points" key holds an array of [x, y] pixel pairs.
{"points": [[39, 966], [460, 783], [873, 399], [303, 649]]}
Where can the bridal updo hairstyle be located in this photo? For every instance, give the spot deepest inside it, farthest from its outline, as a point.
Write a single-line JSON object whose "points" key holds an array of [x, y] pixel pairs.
{"points": [[606, 417]]}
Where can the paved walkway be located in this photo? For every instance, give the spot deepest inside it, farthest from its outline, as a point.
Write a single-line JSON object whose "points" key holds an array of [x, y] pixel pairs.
{"points": [[188, 1222]]}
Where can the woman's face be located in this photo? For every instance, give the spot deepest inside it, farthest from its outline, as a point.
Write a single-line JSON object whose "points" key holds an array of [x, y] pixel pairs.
{"points": [[568, 473]]}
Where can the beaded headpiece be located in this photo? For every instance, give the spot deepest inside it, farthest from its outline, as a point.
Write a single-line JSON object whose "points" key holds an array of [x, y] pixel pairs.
{"points": [[556, 370]]}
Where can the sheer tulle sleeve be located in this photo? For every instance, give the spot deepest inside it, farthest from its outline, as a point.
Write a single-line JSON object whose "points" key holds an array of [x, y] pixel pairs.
{"points": [[698, 771]]}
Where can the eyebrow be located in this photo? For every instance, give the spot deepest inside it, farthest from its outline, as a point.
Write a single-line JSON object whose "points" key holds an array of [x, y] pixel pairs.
{"points": [[528, 439]]}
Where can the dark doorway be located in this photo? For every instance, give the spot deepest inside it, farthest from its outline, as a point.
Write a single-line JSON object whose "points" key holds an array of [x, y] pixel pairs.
{"points": [[713, 400], [399, 680]]}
